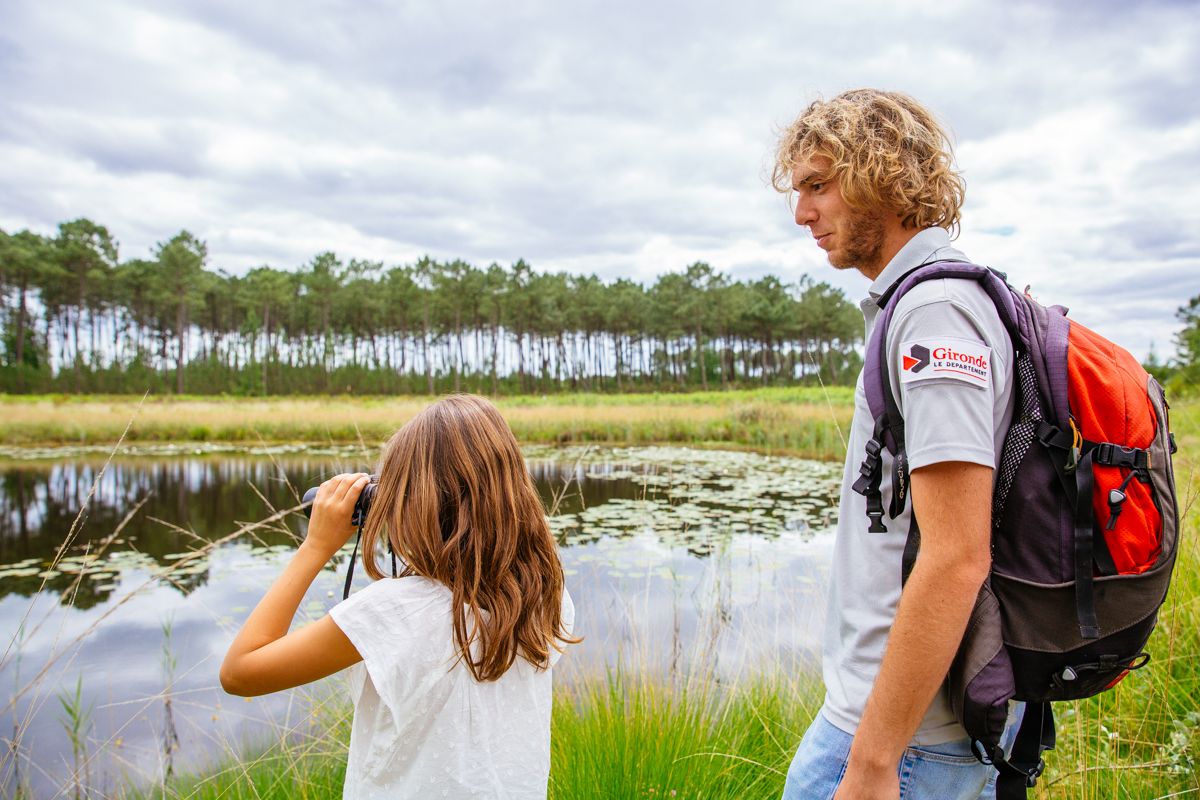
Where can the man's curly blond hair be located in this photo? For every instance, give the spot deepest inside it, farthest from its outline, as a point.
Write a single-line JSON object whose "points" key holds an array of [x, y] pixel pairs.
{"points": [[886, 150]]}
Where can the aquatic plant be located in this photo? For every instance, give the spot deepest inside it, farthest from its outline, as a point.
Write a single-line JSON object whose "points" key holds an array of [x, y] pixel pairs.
{"points": [[77, 722]]}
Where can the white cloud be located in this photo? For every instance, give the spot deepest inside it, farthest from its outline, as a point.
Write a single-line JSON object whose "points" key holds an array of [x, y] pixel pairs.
{"points": [[615, 138]]}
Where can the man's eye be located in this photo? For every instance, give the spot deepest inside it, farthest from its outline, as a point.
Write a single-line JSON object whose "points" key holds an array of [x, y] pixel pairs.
{"points": [[816, 187]]}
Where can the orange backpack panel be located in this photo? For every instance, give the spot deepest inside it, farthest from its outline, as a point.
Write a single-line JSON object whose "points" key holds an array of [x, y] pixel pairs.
{"points": [[1107, 393]]}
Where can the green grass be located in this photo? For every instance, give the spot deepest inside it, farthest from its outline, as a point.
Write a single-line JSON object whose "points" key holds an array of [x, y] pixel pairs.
{"points": [[623, 735], [613, 736], [634, 736]]}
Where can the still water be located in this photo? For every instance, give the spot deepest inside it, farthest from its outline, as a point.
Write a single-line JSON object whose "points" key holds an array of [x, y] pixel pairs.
{"points": [[122, 583]]}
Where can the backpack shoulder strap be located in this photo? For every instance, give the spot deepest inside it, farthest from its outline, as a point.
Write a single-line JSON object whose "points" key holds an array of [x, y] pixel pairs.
{"points": [[888, 421], [876, 379]]}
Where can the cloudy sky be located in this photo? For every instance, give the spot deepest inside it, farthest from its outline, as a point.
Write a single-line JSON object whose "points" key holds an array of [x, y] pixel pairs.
{"points": [[616, 138]]}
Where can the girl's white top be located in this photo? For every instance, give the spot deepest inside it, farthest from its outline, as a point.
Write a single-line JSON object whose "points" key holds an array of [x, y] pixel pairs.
{"points": [[423, 727]]}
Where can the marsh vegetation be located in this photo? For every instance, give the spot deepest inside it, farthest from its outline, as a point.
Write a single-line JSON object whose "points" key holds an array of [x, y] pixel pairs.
{"points": [[808, 422], [696, 677]]}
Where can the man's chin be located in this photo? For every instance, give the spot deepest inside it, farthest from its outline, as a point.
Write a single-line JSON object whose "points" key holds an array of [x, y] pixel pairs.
{"points": [[864, 262], [839, 261]]}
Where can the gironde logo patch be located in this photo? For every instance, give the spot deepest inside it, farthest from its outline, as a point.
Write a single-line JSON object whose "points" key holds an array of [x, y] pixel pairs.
{"points": [[957, 359]]}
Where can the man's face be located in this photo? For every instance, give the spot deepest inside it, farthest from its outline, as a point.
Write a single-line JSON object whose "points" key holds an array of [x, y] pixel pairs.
{"points": [[853, 239]]}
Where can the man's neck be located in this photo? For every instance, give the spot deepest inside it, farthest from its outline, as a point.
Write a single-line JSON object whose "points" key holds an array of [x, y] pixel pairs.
{"points": [[894, 238]]}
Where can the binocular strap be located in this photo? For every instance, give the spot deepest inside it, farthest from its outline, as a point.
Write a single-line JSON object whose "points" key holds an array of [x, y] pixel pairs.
{"points": [[354, 557]]}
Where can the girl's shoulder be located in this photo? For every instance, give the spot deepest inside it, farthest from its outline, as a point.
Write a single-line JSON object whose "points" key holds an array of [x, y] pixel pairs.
{"points": [[397, 599]]}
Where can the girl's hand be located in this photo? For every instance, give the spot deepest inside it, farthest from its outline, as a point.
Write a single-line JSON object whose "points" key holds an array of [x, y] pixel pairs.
{"points": [[329, 526]]}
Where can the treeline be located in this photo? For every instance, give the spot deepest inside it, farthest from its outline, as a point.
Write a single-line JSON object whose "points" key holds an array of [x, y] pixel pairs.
{"points": [[1181, 374], [77, 319]]}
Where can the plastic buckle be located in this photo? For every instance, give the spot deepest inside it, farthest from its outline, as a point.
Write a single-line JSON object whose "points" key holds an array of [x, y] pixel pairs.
{"points": [[875, 513], [1032, 777], [1114, 455]]}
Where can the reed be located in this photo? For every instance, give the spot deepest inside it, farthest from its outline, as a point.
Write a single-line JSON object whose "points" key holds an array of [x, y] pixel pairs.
{"points": [[615, 735], [635, 735], [307, 761], [796, 421], [622, 732]]}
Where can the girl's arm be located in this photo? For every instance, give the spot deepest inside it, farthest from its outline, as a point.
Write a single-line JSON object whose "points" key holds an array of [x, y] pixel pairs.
{"points": [[264, 657]]}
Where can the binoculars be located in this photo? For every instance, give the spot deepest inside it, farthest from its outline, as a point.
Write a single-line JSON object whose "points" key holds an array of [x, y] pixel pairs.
{"points": [[359, 516]]}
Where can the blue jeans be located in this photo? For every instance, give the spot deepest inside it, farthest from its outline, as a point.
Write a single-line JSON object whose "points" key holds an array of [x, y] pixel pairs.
{"points": [[944, 771]]}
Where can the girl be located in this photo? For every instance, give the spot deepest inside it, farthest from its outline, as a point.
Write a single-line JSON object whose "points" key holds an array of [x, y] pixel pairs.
{"points": [[450, 662]]}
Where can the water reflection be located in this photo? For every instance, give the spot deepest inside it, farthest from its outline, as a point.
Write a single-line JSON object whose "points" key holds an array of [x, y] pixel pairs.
{"points": [[671, 555], [187, 502]]}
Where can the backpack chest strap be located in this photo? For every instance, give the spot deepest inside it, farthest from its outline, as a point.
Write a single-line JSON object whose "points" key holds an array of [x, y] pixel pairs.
{"points": [[870, 475]]}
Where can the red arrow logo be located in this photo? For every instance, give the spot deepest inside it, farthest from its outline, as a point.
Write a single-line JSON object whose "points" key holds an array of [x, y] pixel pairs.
{"points": [[917, 360]]}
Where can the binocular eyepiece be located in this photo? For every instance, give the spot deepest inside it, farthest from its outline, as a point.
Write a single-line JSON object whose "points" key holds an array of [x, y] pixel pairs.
{"points": [[359, 516]]}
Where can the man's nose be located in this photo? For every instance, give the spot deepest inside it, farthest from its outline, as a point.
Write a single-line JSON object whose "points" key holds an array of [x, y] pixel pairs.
{"points": [[805, 212]]}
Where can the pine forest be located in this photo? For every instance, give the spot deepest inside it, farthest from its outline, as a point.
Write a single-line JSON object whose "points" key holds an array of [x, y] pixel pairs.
{"points": [[77, 319]]}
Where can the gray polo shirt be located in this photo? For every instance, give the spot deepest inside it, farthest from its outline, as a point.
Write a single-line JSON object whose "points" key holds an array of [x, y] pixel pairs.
{"points": [[951, 372]]}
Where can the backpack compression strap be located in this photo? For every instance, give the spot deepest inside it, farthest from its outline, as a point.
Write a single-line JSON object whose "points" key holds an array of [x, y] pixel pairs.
{"points": [[1024, 766]]}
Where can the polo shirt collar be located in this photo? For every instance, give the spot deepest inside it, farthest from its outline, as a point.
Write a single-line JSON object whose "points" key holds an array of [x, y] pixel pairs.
{"points": [[931, 244]]}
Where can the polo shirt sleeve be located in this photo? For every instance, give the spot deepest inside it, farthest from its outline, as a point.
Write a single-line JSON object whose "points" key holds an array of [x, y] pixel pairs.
{"points": [[949, 402]]}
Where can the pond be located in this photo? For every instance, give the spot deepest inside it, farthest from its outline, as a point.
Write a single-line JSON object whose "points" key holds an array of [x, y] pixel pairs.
{"points": [[674, 556]]}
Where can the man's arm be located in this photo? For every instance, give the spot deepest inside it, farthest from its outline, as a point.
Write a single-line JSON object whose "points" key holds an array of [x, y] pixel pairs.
{"points": [[953, 501]]}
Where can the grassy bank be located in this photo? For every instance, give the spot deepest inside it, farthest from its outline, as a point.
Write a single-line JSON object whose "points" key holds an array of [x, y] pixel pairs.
{"points": [[796, 421], [614, 736], [625, 736]]}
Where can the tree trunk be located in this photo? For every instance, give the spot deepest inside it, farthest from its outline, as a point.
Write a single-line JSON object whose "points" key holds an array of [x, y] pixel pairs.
{"points": [[495, 351], [521, 356], [724, 377], [458, 359], [617, 362], [78, 367], [700, 352], [325, 346], [266, 343], [425, 351], [179, 360], [21, 341], [763, 356]]}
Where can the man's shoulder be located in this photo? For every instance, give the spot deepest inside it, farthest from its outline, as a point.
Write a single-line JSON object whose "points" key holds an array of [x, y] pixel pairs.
{"points": [[949, 309], [948, 296]]}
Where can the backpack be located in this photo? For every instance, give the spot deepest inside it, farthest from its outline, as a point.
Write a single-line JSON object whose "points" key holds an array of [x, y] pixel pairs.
{"points": [[1084, 521]]}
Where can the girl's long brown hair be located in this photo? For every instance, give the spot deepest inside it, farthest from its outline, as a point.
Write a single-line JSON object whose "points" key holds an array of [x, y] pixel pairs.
{"points": [[460, 508]]}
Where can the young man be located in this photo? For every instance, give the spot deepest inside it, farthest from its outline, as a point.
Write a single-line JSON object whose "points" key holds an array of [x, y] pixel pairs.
{"points": [[874, 183]]}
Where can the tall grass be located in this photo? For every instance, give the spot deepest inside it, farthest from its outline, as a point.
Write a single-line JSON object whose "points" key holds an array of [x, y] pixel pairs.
{"points": [[305, 762], [616, 735], [797, 421], [622, 733], [629, 735]]}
